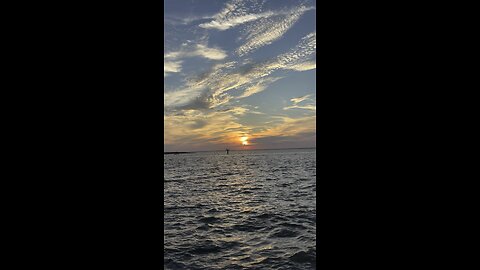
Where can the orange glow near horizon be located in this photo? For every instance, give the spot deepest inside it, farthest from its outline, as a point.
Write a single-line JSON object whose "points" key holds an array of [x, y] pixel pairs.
{"points": [[244, 140]]}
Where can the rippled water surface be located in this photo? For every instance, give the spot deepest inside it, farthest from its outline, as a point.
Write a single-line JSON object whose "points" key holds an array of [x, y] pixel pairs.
{"points": [[245, 210]]}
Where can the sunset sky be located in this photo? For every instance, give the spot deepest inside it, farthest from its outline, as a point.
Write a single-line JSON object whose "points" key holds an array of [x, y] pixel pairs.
{"points": [[239, 74]]}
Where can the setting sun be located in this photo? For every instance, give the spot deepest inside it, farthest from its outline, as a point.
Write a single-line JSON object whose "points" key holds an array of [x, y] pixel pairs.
{"points": [[244, 140], [240, 134]]}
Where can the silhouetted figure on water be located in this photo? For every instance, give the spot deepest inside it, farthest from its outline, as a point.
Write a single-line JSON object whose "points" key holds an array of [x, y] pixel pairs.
{"points": [[227, 150]]}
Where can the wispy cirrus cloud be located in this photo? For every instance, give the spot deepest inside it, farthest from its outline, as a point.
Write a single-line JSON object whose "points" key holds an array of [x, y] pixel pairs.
{"points": [[173, 64], [300, 58], [184, 20], [235, 13], [171, 67], [268, 30], [310, 107], [212, 88], [183, 97], [199, 50], [300, 99], [258, 87], [303, 66], [232, 21], [263, 28], [296, 103], [216, 90]]}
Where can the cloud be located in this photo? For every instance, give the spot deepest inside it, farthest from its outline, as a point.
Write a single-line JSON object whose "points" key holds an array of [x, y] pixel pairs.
{"points": [[258, 87], [214, 88], [304, 107], [308, 65], [197, 124], [183, 97], [210, 53], [299, 58], [205, 107], [229, 80], [295, 132], [236, 12], [307, 139], [226, 23], [268, 30], [199, 130], [198, 50], [291, 127], [200, 92], [263, 28], [238, 110], [171, 67], [298, 100], [184, 20]]}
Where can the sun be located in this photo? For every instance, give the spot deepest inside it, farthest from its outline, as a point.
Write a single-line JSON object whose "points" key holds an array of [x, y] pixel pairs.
{"points": [[244, 140]]}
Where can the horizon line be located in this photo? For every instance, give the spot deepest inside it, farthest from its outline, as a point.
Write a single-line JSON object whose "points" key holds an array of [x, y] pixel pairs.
{"points": [[185, 152]]}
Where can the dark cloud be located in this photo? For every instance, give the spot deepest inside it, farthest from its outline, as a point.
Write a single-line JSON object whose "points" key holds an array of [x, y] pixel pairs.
{"points": [[202, 102], [306, 139], [198, 124]]}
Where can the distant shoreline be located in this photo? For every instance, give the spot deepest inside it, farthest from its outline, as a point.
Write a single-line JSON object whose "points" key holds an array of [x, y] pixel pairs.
{"points": [[232, 150]]}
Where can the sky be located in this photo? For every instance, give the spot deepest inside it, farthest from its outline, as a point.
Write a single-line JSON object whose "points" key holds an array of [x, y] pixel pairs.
{"points": [[239, 74]]}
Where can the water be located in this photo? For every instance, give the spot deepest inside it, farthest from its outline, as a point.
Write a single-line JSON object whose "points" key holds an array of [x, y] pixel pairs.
{"points": [[245, 210]]}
